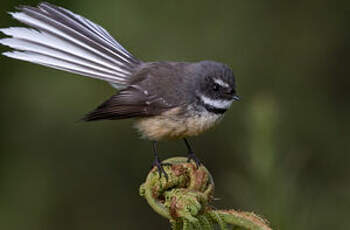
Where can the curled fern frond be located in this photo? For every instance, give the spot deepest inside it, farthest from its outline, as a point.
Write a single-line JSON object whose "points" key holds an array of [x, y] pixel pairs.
{"points": [[184, 199]]}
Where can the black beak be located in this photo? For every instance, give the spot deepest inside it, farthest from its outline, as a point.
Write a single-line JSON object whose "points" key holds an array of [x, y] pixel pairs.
{"points": [[235, 98]]}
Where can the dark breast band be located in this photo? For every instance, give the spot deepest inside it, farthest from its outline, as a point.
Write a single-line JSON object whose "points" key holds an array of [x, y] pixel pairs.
{"points": [[213, 109]]}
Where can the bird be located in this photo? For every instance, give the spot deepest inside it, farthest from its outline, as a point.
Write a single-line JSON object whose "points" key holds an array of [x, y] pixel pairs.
{"points": [[168, 100]]}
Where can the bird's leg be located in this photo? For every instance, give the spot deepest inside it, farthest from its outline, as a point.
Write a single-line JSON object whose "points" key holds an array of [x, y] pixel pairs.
{"points": [[191, 155], [157, 162]]}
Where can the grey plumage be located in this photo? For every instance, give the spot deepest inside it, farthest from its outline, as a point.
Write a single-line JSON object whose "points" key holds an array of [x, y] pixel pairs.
{"points": [[147, 93]]}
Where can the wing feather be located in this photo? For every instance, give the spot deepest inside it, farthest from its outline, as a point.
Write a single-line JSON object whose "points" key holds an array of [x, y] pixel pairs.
{"points": [[126, 104]]}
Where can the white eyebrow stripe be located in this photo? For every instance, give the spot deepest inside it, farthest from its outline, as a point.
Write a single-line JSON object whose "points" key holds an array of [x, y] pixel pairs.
{"points": [[221, 83], [216, 103]]}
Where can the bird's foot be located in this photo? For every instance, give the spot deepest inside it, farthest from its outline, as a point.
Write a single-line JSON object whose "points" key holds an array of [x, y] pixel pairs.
{"points": [[192, 156], [160, 167]]}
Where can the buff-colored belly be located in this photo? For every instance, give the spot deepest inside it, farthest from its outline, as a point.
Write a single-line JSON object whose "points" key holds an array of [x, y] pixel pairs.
{"points": [[170, 126]]}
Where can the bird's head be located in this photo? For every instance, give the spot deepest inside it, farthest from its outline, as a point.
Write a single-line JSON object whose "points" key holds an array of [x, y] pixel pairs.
{"points": [[217, 86]]}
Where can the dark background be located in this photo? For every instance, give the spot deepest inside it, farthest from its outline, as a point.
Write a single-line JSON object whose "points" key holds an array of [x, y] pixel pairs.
{"points": [[282, 152]]}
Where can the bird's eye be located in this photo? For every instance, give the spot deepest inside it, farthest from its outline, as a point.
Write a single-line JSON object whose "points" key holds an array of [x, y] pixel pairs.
{"points": [[216, 87]]}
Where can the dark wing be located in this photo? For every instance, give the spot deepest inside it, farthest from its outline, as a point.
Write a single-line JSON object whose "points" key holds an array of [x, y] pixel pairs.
{"points": [[154, 89], [128, 103]]}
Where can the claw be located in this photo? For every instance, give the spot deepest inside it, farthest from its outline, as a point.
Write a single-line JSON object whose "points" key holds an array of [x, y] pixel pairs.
{"points": [[158, 163], [160, 167], [192, 156]]}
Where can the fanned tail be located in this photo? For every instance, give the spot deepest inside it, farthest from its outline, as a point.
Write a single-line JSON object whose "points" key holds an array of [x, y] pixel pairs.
{"points": [[67, 41]]}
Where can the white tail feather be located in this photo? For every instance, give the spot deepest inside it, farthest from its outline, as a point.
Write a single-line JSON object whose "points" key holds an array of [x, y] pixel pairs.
{"points": [[55, 63], [66, 41], [45, 26], [97, 29], [48, 51], [32, 40]]}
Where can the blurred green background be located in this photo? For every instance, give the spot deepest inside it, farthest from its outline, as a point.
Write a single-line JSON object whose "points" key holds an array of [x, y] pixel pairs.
{"points": [[282, 152]]}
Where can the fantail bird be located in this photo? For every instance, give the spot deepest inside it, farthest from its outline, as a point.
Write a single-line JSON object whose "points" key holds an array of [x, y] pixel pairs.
{"points": [[168, 99]]}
